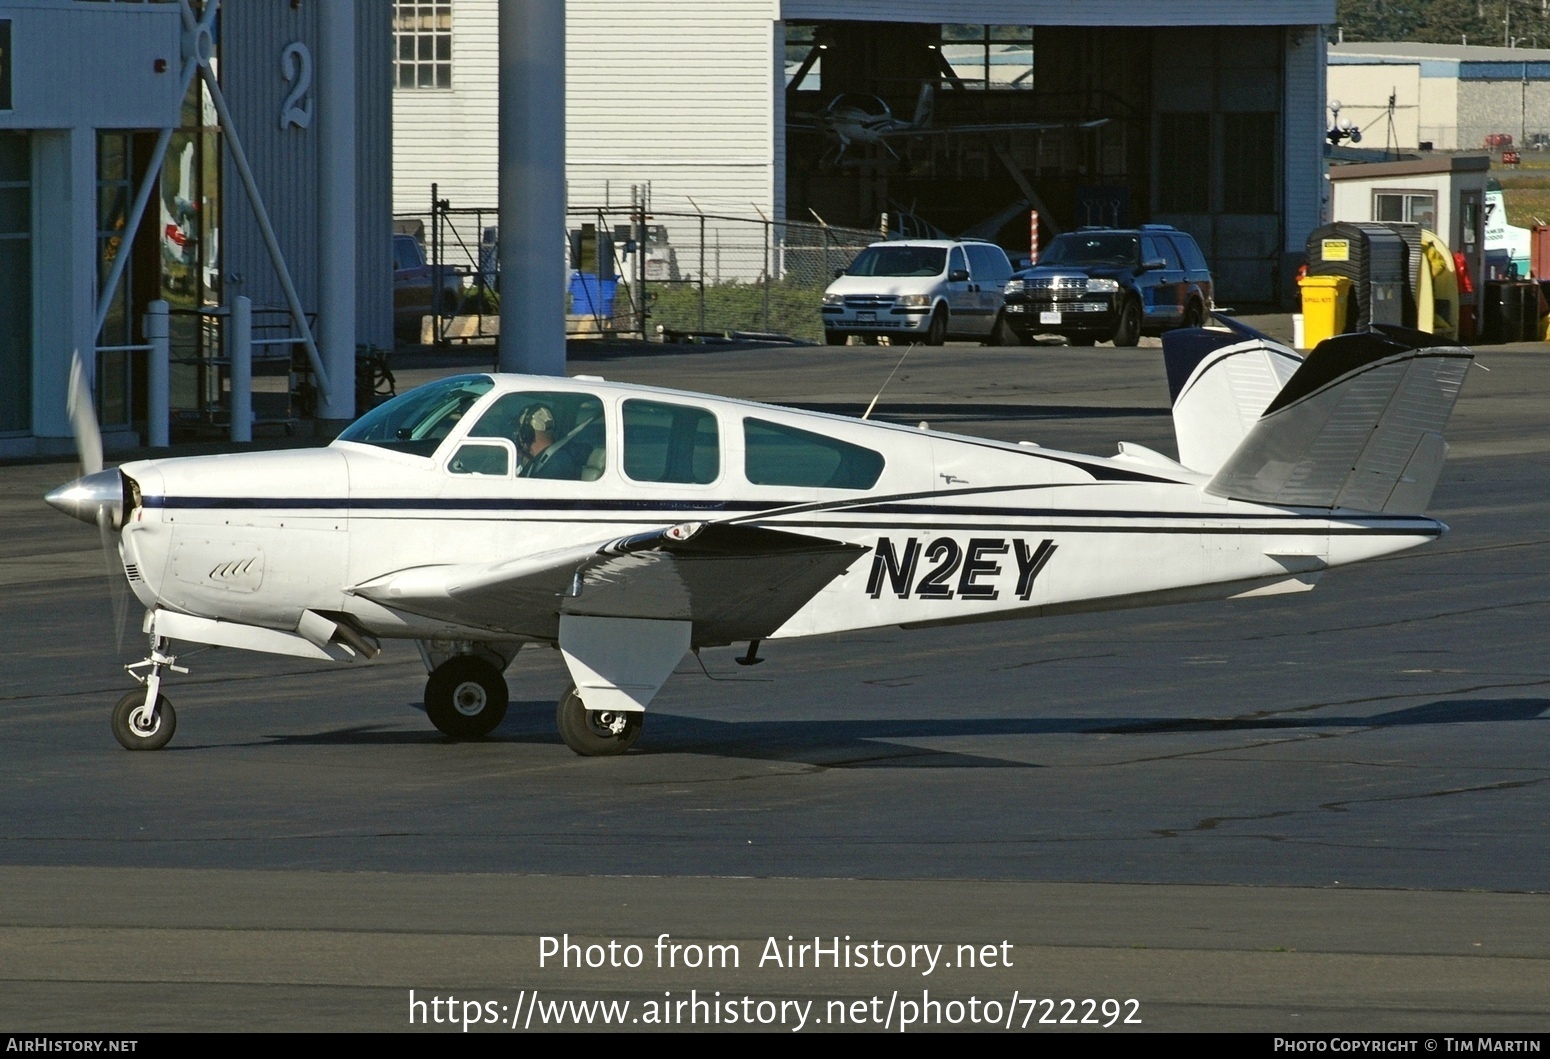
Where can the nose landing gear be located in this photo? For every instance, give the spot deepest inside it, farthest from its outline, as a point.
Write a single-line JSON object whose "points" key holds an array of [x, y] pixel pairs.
{"points": [[144, 720]]}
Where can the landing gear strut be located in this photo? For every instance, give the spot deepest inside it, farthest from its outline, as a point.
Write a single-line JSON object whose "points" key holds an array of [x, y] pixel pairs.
{"points": [[144, 720], [595, 733]]}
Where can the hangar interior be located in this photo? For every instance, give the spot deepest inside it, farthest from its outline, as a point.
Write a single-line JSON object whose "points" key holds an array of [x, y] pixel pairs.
{"points": [[1192, 134]]}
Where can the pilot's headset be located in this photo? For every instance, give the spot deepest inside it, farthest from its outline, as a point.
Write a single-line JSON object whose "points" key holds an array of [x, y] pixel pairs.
{"points": [[535, 418]]}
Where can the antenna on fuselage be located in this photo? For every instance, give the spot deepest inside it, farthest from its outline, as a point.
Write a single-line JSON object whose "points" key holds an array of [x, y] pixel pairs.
{"points": [[886, 381]]}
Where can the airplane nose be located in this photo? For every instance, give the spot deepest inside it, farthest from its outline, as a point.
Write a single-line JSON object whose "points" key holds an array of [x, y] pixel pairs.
{"points": [[85, 498]]}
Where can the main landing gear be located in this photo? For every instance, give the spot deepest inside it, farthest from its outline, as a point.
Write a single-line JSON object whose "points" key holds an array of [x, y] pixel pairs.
{"points": [[144, 720], [595, 733], [466, 697]]}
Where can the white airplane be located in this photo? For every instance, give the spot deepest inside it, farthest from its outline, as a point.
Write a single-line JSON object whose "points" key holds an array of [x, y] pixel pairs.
{"points": [[858, 118], [629, 525]]}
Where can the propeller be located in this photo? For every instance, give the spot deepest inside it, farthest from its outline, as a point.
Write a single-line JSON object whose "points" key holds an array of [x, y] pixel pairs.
{"points": [[97, 497]]}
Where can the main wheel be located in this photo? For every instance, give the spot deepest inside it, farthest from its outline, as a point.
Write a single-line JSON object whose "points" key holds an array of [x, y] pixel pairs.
{"points": [[834, 338], [595, 733], [937, 334], [466, 697], [1081, 340], [1194, 316], [1128, 331], [134, 730]]}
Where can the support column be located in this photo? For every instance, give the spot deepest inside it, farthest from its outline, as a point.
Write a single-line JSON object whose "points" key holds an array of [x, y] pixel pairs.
{"points": [[336, 206], [532, 186], [64, 282]]}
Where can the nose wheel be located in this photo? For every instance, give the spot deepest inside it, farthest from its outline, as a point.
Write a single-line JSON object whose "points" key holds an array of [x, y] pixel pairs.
{"points": [[144, 720], [596, 733], [138, 728], [466, 697]]}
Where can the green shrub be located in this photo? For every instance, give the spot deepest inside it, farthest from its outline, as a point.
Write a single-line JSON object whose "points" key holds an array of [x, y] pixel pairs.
{"points": [[793, 308]]}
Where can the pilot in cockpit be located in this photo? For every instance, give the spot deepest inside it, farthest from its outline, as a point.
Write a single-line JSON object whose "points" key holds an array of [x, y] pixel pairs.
{"points": [[542, 455]]}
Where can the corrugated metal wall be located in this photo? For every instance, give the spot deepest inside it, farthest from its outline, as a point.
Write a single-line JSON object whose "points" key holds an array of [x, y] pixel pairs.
{"points": [[285, 160], [1304, 137], [374, 166], [1233, 71]]}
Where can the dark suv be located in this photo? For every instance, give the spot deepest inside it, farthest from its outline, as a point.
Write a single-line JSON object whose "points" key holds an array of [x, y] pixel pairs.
{"points": [[1112, 284]]}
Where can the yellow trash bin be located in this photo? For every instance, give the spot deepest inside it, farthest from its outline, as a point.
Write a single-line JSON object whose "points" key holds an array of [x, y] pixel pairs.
{"points": [[1323, 307]]}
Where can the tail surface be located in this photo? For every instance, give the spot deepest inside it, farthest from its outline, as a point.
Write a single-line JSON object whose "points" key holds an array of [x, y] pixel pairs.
{"points": [[1221, 382], [1357, 425]]}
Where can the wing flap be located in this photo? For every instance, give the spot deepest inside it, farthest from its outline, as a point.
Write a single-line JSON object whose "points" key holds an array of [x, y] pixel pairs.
{"points": [[734, 582]]}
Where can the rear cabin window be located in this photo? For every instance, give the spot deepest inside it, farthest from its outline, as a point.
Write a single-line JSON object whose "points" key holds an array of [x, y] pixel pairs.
{"points": [[555, 435], [671, 443], [775, 454]]}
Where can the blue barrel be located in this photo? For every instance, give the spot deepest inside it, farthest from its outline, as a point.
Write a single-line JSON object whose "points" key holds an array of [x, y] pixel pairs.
{"points": [[592, 296]]}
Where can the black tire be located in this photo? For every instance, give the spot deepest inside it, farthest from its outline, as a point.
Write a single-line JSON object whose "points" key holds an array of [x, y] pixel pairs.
{"points": [[1128, 331], [466, 697], [1080, 340], [1194, 315], [133, 733], [595, 733], [835, 338], [1001, 334], [937, 333]]}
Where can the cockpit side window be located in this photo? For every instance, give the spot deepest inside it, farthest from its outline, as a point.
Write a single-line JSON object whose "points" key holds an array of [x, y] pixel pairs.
{"points": [[775, 454], [555, 434], [670, 443], [416, 422]]}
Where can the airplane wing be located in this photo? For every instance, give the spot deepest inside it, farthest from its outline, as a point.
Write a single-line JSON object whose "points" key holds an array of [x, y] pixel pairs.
{"points": [[734, 582], [999, 126]]}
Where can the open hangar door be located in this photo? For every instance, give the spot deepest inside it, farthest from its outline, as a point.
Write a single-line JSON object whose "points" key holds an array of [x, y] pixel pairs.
{"points": [[962, 128]]}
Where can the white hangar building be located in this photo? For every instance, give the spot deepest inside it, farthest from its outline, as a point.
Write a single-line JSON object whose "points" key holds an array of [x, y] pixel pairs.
{"points": [[1213, 114]]}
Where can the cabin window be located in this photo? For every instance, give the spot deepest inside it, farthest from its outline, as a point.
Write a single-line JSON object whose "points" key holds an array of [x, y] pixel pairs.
{"points": [[491, 459], [670, 443], [775, 454], [417, 421], [555, 435]]}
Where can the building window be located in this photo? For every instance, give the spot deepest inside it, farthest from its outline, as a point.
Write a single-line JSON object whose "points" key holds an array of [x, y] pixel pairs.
{"points": [[804, 57], [979, 56], [1417, 207], [423, 32]]}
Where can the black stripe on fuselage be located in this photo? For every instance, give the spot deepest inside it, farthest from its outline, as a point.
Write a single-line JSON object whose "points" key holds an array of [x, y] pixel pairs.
{"points": [[927, 516]]}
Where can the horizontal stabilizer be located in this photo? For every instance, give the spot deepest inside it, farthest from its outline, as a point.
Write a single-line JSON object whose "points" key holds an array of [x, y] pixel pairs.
{"points": [[1358, 426], [1221, 383]]}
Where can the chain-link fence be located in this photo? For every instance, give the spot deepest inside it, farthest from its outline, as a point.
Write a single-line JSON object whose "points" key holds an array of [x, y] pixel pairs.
{"points": [[668, 275]]}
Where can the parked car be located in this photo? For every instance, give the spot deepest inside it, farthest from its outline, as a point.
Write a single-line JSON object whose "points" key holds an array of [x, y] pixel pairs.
{"points": [[1112, 284], [926, 290], [413, 283]]}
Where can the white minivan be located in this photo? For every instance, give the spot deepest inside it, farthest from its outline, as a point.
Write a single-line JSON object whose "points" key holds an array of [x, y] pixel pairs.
{"points": [[921, 290]]}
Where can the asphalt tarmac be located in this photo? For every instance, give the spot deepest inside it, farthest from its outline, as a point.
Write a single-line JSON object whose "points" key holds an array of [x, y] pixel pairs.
{"points": [[1327, 812]]}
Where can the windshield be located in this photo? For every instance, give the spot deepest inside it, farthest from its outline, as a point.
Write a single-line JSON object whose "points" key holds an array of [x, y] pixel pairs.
{"points": [[899, 261], [417, 421], [1093, 248]]}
